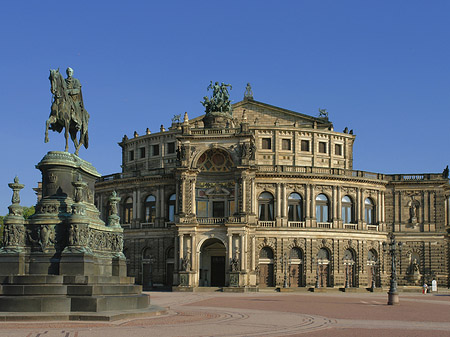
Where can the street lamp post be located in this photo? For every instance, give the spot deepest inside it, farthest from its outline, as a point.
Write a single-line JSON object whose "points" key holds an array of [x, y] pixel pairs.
{"points": [[374, 270], [286, 266], [317, 273], [394, 249]]}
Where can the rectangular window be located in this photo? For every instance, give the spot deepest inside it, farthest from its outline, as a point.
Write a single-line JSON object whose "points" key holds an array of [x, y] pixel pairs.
{"points": [[131, 155], [338, 149], [155, 149], [218, 209], [142, 152], [170, 147], [305, 145], [286, 144], [322, 147], [266, 143]]}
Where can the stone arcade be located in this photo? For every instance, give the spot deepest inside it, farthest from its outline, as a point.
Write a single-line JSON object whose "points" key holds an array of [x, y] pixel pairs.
{"points": [[250, 194]]}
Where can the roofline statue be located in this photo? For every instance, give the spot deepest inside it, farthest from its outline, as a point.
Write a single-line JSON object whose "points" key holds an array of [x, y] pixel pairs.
{"points": [[220, 100], [67, 110]]}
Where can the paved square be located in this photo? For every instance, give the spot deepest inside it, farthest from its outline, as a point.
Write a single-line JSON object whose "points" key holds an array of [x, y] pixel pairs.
{"points": [[265, 314]]}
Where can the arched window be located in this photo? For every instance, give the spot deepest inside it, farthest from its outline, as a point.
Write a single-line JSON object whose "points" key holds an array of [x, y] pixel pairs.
{"points": [[347, 210], [265, 202], [372, 257], [171, 208], [128, 210], [295, 207], [369, 214], [150, 209], [322, 205]]}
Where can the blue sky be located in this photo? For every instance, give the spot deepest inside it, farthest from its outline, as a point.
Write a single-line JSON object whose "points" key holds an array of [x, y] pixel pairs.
{"points": [[379, 67]]}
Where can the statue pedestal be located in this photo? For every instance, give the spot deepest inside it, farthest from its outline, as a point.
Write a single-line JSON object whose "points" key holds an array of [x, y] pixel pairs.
{"points": [[64, 258], [237, 278]]}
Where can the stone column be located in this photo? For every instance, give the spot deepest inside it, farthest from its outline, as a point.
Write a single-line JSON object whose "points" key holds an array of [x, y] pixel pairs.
{"points": [[334, 206], [194, 252], [135, 203], [175, 253], [230, 250], [284, 197], [236, 198], [339, 205], [181, 242], [242, 257], [253, 253], [182, 197], [177, 192], [278, 200], [162, 203], [254, 198], [379, 207], [244, 193], [313, 203], [307, 203], [193, 207]]}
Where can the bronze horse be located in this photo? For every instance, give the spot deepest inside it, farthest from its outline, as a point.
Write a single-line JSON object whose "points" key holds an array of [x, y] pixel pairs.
{"points": [[64, 115]]}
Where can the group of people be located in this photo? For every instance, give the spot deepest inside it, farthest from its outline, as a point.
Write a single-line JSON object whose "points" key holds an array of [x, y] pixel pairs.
{"points": [[433, 287]]}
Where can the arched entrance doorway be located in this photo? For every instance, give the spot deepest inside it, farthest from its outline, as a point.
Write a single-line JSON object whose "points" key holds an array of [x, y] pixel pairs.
{"points": [[212, 263], [350, 268], [372, 270], [147, 268], [296, 268], [266, 278], [323, 267]]}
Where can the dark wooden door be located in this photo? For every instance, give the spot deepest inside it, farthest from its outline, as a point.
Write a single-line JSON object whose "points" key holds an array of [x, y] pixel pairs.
{"points": [[266, 275], [146, 276], [217, 271], [169, 274], [295, 275], [323, 275]]}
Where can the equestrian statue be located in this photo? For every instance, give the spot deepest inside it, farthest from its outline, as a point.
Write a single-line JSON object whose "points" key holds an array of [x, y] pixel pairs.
{"points": [[67, 110]]}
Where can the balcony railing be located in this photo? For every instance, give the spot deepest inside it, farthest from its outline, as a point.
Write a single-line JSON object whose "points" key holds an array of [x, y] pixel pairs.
{"points": [[326, 225], [350, 226], [373, 228], [266, 223], [319, 170], [296, 224], [211, 221]]}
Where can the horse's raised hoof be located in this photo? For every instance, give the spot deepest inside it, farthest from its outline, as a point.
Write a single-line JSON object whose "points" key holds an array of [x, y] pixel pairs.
{"points": [[46, 139]]}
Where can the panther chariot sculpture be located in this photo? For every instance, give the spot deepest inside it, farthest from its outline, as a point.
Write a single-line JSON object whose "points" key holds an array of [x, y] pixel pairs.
{"points": [[67, 111]]}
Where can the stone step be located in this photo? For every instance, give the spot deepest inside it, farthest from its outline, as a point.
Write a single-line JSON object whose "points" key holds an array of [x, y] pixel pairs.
{"points": [[35, 304], [108, 303], [67, 304], [70, 290], [66, 279], [90, 290]]}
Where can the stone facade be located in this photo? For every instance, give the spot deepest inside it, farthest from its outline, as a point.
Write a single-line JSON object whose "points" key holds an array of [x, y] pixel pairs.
{"points": [[270, 197]]}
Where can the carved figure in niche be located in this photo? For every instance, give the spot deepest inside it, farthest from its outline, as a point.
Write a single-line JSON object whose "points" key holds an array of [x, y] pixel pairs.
{"points": [[46, 235], [14, 235], [246, 151], [234, 263], [181, 152], [186, 263], [73, 235], [413, 206]]}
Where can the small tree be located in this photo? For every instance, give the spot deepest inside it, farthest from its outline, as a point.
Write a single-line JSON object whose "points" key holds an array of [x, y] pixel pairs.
{"points": [[28, 211]]}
